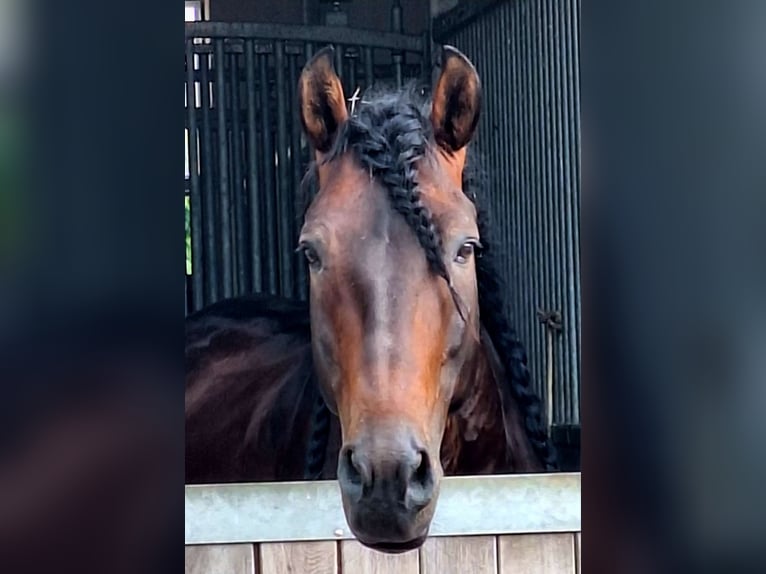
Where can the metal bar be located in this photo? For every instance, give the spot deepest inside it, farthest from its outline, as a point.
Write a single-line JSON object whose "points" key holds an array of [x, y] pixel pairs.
{"points": [[223, 172], [567, 170], [351, 58], [301, 511], [554, 107], [339, 63], [253, 179], [396, 26], [505, 147], [237, 191], [208, 196], [296, 154], [543, 195], [316, 34], [195, 197], [369, 56], [573, 211], [269, 236], [284, 205], [525, 221], [397, 57], [512, 227]]}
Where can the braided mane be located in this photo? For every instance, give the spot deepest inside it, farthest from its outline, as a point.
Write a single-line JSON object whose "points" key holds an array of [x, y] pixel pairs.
{"points": [[389, 134]]}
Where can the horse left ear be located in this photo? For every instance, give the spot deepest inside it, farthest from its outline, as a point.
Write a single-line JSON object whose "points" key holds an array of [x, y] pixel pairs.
{"points": [[456, 100], [322, 104]]}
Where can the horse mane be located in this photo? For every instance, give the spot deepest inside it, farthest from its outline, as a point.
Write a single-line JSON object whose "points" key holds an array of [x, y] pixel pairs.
{"points": [[389, 133], [227, 345]]}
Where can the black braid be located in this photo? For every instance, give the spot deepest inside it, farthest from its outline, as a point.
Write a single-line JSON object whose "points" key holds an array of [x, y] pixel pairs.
{"points": [[494, 319], [390, 136], [512, 354], [316, 451]]}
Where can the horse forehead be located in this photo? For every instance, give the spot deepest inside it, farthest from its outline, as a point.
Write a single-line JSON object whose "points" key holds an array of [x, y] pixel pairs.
{"points": [[447, 202], [351, 202]]}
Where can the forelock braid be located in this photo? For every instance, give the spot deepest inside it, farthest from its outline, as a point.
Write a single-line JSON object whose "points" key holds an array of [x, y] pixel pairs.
{"points": [[391, 151]]}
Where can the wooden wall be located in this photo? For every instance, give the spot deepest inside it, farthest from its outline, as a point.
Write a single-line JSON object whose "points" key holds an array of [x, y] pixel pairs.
{"points": [[525, 524], [554, 553]]}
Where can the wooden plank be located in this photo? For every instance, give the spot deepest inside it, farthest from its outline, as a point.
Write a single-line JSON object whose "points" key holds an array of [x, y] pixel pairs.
{"points": [[219, 559], [458, 555], [299, 557], [537, 554], [358, 559], [578, 552]]}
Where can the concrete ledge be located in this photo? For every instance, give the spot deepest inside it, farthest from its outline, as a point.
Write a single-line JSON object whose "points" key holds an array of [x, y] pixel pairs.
{"points": [[287, 511]]}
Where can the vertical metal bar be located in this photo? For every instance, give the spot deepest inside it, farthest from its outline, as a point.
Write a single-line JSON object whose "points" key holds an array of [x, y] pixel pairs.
{"points": [[397, 27], [550, 210], [564, 121], [351, 56], [297, 165], [573, 211], [521, 194], [540, 195], [368, 67], [561, 111], [531, 184], [208, 196], [499, 135], [284, 205], [569, 181], [223, 171], [253, 179], [561, 381], [339, 62], [490, 61], [237, 192], [195, 197], [505, 137], [517, 149], [269, 236]]}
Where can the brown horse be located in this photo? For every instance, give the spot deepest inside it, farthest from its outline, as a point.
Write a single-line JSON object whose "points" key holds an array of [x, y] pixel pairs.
{"points": [[404, 339]]}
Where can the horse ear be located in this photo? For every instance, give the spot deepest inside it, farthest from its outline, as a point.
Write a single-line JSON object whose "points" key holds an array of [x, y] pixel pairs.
{"points": [[456, 100], [321, 100]]}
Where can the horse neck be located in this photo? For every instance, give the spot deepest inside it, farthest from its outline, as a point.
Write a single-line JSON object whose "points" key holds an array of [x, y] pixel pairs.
{"points": [[478, 438]]}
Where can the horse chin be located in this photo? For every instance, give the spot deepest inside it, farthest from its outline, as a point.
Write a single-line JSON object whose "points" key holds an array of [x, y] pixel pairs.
{"points": [[396, 547], [377, 532]]}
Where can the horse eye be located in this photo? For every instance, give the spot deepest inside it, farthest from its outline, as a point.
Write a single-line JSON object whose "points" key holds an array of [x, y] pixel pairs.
{"points": [[311, 256], [465, 252]]}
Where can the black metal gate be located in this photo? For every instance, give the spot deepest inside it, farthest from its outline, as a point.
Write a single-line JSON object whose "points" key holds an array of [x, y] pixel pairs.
{"points": [[527, 53], [245, 151]]}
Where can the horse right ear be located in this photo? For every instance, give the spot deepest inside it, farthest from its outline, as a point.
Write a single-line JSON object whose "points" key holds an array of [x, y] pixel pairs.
{"points": [[321, 100], [456, 100]]}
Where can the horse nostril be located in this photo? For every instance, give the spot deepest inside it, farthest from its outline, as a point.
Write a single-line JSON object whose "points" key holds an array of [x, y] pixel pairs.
{"points": [[422, 475], [355, 471], [421, 484]]}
